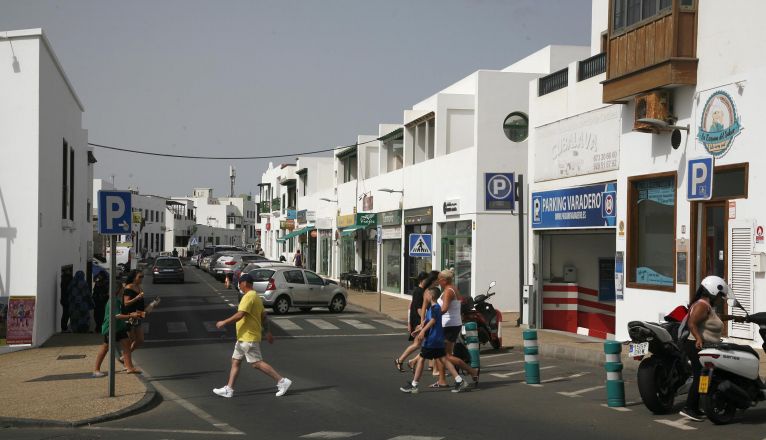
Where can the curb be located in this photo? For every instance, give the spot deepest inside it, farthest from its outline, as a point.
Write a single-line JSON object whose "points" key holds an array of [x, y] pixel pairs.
{"points": [[150, 394]]}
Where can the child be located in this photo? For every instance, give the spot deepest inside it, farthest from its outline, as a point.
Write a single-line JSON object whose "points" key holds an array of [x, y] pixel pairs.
{"points": [[121, 336], [431, 337]]}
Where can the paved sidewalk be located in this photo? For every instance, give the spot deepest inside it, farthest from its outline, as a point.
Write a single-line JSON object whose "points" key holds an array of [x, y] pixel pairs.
{"points": [[552, 343], [52, 385]]}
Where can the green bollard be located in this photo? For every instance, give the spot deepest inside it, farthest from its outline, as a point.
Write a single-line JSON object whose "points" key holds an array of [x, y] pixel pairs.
{"points": [[615, 386], [531, 358], [471, 332]]}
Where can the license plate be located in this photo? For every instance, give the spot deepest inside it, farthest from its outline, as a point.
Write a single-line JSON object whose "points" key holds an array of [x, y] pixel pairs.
{"points": [[168, 270], [638, 349], [704, 384]]}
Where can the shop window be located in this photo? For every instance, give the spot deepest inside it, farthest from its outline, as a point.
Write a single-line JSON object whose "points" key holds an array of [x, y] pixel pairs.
{"points": [[516, 127], [651, 238], [730, 182]]}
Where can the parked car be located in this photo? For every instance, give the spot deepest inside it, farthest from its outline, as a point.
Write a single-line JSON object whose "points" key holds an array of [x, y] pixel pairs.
{"points": [[167, 269], [284, 287], [249, 267], [228, 261], [210, 250]]}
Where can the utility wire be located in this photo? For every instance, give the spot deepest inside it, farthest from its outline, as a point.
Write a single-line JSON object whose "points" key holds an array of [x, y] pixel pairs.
{"points": [[184, 156]]}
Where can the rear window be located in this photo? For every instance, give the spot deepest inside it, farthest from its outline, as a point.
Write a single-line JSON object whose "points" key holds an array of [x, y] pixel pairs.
{"points": [[261, 274], [167, 262], [251, 258]]}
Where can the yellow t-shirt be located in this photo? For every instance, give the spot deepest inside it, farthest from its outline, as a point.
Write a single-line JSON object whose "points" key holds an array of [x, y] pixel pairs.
{"points": [[249, 328]]}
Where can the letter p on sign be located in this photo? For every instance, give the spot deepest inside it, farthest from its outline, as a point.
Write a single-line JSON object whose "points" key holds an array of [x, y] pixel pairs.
{"points": [[700, 179], [115, 209]]}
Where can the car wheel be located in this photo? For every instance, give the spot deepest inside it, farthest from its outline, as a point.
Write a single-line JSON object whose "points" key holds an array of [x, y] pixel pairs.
{"points": [[337, 304], [281, 305]]}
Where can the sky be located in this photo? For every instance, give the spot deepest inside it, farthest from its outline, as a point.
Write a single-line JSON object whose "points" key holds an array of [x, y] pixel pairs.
{"points": [[253, 78]]}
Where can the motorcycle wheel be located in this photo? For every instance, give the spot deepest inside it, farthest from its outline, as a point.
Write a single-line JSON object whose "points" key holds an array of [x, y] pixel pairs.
{"points": [[656, 393], [719, 410]]}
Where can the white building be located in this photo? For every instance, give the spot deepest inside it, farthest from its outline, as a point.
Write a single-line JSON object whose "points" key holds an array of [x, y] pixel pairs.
{"points": [[698, 74], [237, 215], [45, 179]]}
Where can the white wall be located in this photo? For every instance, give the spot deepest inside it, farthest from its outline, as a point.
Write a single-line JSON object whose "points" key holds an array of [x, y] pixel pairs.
{"points": [[599, 23]]}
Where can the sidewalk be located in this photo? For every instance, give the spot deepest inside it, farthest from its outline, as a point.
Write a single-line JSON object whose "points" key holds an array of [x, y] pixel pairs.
{"points": [[52, 385], [552, 343]]}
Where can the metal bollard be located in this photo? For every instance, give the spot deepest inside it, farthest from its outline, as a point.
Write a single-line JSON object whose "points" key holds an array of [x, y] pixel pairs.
{"points": [[471, 331], [531, 358], [615, 386]]}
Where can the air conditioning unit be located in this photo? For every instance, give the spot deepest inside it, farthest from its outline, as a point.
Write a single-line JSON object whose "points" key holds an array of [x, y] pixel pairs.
{"points": [[652, 105]]}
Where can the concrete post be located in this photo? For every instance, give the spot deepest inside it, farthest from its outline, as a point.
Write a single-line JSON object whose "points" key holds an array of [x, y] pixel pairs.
{"points": [[531, 357], [615, 386]]}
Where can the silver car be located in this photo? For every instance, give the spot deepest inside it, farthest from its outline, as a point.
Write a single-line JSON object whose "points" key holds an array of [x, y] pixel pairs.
{"points": [[229, 261], [284, 287]]}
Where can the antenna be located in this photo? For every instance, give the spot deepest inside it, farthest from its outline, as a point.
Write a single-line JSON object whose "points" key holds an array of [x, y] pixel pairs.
{"points": [[232, 177]]}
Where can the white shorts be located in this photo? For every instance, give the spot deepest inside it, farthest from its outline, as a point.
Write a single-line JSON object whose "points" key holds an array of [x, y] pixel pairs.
{"points": [[251, 351]]}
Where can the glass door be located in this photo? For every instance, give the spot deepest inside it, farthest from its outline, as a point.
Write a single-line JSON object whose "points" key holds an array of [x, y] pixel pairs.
{"points": [[714, 253]]}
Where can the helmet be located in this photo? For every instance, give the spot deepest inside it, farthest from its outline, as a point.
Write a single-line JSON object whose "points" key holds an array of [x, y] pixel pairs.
{"points": [[714, 285]]}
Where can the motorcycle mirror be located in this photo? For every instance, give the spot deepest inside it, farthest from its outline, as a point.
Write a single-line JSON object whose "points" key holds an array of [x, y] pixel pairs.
{"points": [[492, 284], [732, 302]]}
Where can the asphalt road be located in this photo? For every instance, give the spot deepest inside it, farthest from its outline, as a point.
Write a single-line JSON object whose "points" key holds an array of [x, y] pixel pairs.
{"points": [[345, 386]]}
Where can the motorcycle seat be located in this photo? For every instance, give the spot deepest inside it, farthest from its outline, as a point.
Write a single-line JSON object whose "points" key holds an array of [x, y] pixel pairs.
{"points": [[737, 347]]}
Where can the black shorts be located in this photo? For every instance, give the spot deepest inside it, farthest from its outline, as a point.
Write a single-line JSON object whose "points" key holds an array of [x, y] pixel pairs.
{"points": [[432, 353], [451, 333], [118, 337]]}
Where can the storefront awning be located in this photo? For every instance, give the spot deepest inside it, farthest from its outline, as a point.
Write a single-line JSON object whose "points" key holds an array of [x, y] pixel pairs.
{"points": [[305, 230], [350, 230]]}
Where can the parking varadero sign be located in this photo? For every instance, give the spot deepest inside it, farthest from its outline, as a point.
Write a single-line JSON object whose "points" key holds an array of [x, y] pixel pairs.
{"points": [[592, 206]]}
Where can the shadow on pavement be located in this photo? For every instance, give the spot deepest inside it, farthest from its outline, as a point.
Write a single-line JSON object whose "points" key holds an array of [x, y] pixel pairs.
{"points": [[181, 376], [69, 376]]}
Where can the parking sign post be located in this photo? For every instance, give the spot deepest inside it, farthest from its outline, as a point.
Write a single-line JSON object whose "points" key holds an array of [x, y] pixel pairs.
{"points": [[114, 218]]}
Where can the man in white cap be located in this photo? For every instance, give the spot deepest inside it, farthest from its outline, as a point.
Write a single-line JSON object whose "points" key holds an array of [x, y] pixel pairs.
{"points": [[251, 322]]}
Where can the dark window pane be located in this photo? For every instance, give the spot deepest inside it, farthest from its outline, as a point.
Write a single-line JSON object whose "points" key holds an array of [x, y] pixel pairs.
{"points": [[260, 275], [634, 12], [687, 2], [666, 4], [313, 278], [649, 8], [516, 127], [729, 184], [294, 277], [654, 233], [618, 21]]}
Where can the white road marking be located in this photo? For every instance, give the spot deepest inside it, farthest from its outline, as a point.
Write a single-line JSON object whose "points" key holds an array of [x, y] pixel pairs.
{"points": [[579, 393], [513, 373], [177, 327], [358, 324], [169, 395], [489, 356], [389, 323], [211, 328], [232, 305], [286, 324], [504, 363], [331, 434], [617, 408], [557, 379], [145, 327], [168, 431], [322, 324], [231, 338], [679, 424]]}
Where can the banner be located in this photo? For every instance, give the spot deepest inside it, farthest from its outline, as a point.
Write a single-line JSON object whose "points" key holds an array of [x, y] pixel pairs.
{"points": [[21, 320], [592, 206]]}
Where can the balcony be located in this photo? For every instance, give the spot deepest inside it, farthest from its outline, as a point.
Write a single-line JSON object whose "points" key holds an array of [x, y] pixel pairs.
{"points": [[275, 204], [593, 66], [554, 81], [657, 51]]}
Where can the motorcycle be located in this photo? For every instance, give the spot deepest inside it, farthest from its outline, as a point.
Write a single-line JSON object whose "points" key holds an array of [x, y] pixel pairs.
{"points": [[666, 373], [730, 379], [483, 313]]}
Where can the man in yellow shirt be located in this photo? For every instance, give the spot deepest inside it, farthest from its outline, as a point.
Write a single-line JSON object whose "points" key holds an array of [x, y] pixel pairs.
{"points": [[251, 322]]}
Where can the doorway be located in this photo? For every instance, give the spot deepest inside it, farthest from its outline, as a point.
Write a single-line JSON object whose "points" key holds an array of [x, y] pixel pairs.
{"points": [[712, 239]]}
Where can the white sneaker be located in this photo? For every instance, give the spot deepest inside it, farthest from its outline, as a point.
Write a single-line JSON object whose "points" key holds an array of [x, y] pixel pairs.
{"points": [[283, 385], [224, 392]]}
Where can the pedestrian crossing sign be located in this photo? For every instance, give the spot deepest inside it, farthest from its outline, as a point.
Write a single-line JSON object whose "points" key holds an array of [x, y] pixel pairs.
{"points": [[420, 245], [193, 241]]}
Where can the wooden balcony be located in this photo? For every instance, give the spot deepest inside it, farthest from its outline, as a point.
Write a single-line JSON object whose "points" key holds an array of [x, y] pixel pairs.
{"points": [[653, 53]]}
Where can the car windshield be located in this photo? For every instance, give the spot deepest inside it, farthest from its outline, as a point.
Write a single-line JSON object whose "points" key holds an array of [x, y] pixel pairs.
{"points": [[167, 262]]}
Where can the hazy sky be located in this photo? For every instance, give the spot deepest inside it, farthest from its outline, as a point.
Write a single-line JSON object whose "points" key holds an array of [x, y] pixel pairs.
{"points": [[237, 78]]}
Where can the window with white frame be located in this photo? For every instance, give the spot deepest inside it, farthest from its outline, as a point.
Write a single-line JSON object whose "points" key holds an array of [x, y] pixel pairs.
{"points": [[394, 149]]}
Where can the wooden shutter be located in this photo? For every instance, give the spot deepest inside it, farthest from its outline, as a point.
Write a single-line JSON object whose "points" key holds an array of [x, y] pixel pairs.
{"points": [[741, 274]]}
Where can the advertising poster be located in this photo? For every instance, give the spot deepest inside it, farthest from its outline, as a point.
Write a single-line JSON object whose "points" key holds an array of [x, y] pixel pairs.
{"points": [[3, 319], [619, 275], [21, 319]]}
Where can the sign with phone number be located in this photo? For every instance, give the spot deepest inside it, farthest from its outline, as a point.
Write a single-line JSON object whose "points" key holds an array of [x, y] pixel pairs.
{"points": [[591, 206]]}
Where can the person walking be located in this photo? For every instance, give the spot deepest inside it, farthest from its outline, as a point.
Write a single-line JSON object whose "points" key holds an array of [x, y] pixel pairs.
{"points": [[100, 298], [252, 322], [298, 258], [120, 334], [133, 298], [431, 336], [452, 323], [416, 314], [80, 304], [705, 327]]}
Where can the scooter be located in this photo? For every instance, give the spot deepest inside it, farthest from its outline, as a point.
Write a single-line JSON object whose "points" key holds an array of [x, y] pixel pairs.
{"points": [[483, 313], [666, 373], [730, 379]]}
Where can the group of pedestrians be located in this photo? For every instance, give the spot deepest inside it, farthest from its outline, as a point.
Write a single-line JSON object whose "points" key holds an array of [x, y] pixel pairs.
{"points": [[128, 306], [434, 325]]}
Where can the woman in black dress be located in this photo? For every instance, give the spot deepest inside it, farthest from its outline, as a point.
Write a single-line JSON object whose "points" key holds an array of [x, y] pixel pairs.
{"points": [[133, 300], [417, 309]]}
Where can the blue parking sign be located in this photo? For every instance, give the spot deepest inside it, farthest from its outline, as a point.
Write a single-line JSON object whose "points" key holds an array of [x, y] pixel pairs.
{"points": [[499, 190], [699, 175], [114, 212]]}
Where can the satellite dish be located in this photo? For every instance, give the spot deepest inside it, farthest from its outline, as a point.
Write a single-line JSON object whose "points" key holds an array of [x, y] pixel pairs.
{"points": [[675, 139]]}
